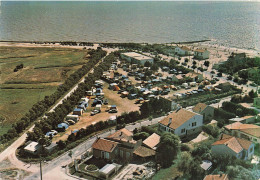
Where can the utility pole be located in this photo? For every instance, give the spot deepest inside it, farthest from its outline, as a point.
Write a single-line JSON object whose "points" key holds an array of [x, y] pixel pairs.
{"points": [[41, 167]]}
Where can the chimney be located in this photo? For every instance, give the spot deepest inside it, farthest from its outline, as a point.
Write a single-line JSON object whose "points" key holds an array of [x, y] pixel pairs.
{"points": [[170, 121]]}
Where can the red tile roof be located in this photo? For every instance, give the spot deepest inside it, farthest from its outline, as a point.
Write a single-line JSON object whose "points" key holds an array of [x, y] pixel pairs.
{"points": [[144, 152], [122, 135], [104, 145], [178, 118], [152, 140], [216, 177], [199, 107], [234, 143]]}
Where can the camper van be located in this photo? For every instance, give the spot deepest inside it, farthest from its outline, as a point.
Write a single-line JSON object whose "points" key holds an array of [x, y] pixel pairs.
{"points": [[75, 118]]}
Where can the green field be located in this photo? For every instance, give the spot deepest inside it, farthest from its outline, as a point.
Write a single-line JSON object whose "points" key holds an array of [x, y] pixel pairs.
{"points": [[44, 69]]}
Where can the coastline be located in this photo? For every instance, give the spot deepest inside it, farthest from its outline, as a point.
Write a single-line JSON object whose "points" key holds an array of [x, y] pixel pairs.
{"points": [[218, 51]]}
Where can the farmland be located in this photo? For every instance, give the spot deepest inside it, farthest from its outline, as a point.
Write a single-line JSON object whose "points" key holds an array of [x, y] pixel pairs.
{"points": [[43, 70]]}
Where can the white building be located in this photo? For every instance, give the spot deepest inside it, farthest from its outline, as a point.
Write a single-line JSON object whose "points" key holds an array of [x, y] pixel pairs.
{"points": [[201, 54], [136, 58], [230, 145], [182, 51], [32, 148], [182, 123], [246, 131]]}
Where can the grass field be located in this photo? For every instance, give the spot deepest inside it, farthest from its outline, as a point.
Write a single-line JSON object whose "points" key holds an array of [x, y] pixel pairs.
{"points": [[44, 69]]}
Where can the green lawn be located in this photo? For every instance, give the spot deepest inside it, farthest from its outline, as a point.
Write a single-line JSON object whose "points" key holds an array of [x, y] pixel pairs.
{"points": [[44, 69], [14, 103], [167, 173]]}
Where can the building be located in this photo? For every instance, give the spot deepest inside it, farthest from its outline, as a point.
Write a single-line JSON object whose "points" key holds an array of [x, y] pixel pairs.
{"points": [[136, 58], [182, 123], [245, 119], [233, 146], [170, 103], [196, 77], [201, 54], [182, 51], [247, 131], [216, 177], [119, 145], [152, 141], [32, 148], [105, 149], [205, 110], [176, 78]]}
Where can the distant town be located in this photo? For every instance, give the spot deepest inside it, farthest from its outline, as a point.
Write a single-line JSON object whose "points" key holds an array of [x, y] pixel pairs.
{"points": [[121, 111]]}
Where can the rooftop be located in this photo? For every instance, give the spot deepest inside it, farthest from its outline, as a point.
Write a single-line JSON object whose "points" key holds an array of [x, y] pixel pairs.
{"points": [[122, 135], [178, 118], [104, 145], [216, 177], [199, 107], [234, 143], [33, 146], [200, 50], [152, 140], [144, 152], [136, 55]]}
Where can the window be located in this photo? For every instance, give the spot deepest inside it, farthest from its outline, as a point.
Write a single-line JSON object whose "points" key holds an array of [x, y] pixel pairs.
{"points": [[251, 149], [183, 130], [194, 124], [127, 155], [121, 153]]}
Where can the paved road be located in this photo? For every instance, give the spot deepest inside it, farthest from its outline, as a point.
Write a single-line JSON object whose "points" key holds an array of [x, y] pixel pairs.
{"points": [[81, 149]]}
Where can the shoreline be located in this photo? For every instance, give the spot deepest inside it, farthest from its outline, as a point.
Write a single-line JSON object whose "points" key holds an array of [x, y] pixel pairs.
{"points": [[212, 45]]}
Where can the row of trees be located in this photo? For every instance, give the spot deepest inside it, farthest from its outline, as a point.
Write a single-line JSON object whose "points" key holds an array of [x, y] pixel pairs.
{"points": [[41, 107], [237, 109], [246, 98], [60, 112]]}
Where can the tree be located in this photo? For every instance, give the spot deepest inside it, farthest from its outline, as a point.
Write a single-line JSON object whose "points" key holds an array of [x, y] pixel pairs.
{"points": [[186, 60], [252, 94], [219, 74], [206, 63], [141, 135], [168, 148], [154, 67]]}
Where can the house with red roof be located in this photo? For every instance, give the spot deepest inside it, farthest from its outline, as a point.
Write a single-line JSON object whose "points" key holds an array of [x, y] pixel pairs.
{"points": [[205, 110], [105, 149], [216, 177], [120, 145], [233, 146], [182, 51], [250, 132], [201, 54], [182, 123]]}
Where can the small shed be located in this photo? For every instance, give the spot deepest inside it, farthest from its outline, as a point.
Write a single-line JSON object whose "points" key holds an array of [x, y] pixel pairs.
{"points": [[107, 170], [78, 111], [32, 147]]}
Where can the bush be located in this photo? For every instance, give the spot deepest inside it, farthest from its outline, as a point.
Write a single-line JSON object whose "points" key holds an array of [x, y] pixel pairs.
{"points": [[91, 167], [185, 147]]}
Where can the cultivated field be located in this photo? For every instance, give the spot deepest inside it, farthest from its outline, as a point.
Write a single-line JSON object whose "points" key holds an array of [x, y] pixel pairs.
{"points": [[44, 69]]}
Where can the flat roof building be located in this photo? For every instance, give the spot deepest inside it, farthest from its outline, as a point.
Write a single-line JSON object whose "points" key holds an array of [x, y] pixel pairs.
{"points": [[136, 58]]}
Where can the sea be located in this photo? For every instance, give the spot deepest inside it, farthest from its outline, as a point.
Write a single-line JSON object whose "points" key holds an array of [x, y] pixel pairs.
{"points": [[233, 24]]}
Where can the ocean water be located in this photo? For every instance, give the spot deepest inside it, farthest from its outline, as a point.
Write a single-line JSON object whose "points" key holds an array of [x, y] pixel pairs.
{"points": [[235, 24]]}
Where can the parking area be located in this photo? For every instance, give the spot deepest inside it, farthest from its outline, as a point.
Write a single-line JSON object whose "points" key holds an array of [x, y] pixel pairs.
{"points": [[122, 104]]}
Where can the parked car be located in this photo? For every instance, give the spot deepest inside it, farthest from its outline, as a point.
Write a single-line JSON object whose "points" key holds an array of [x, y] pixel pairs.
{"points": [[94, 112], [70, 122]]}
